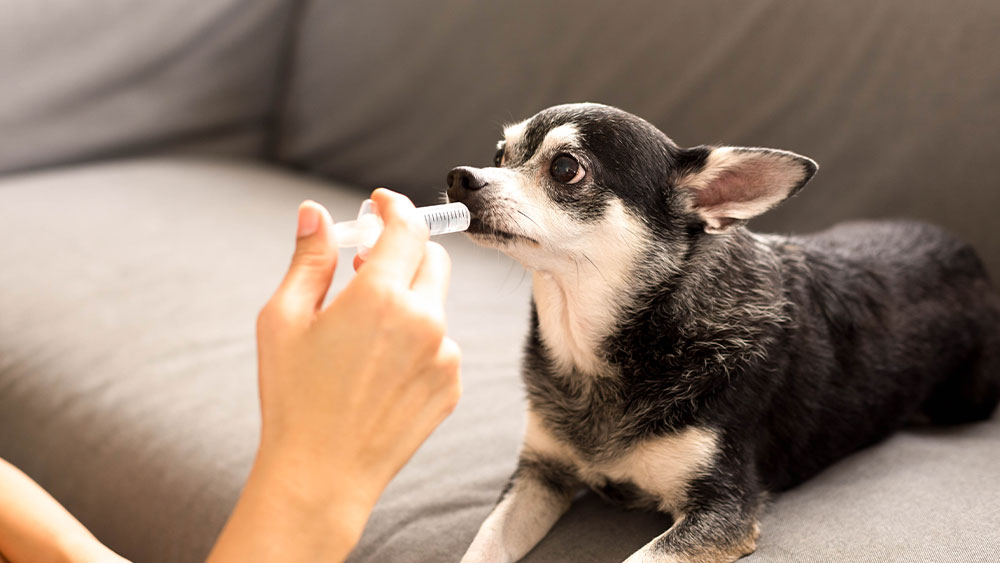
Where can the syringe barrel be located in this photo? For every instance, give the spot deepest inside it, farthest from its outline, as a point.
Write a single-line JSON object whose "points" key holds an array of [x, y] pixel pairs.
{"points": [[446, 218], [363, 232]]}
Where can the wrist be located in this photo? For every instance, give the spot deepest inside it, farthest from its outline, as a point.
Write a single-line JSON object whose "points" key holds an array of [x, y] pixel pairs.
{"points": [[304, 486], [87, 549]]}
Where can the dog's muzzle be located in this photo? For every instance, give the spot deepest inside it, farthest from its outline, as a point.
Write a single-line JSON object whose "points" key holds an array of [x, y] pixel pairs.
{"points": [[464, 184]]}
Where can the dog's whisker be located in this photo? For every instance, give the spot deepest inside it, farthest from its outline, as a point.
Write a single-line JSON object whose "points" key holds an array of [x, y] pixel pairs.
{"points": [[526, 216], [595, 267], [509, 270], [524, 274]]}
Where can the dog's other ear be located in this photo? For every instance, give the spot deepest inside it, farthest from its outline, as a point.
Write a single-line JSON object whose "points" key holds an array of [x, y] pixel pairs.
{"points": [[728, 185]]}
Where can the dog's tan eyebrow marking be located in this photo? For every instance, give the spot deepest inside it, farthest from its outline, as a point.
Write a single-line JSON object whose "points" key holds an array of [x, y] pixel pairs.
{"points": [[564, 136], [513, 134]]}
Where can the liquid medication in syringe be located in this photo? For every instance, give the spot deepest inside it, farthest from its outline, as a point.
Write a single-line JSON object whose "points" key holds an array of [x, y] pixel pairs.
{"points": [[363, 232]]}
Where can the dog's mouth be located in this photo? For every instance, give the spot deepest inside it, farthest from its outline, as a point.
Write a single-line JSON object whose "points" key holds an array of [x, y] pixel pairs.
{"points": [[484, 231]]}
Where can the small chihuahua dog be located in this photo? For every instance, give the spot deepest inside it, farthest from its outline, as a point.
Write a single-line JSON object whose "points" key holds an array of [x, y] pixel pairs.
{"points": [[678, 362]]}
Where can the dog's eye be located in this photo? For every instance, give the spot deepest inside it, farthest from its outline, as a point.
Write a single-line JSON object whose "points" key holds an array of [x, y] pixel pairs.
{"points": [[565, 169], [499, 158]]}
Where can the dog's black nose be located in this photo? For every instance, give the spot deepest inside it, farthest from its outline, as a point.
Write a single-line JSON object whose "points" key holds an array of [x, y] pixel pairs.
{"points": [[462, 181]]}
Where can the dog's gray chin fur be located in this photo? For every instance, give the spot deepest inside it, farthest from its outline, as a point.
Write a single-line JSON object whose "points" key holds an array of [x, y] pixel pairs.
{"points": [[485, 234]]}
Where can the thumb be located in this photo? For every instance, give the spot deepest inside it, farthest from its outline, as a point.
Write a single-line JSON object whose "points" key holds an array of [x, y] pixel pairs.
{"points": [[308, 278]]}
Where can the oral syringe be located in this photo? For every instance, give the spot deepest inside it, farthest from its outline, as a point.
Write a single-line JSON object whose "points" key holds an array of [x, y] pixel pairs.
{"points": [[365, 230]]}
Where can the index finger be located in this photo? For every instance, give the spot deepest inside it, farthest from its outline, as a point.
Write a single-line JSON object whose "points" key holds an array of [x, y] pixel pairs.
{"points": [[431, 279], [400, 248]]}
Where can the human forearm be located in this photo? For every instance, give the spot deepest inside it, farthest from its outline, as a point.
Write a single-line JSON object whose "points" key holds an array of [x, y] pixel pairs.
{"points": [[35, 527]]}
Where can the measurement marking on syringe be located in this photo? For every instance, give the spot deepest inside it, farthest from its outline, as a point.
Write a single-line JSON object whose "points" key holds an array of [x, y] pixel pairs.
{"points": [[362, 232]]}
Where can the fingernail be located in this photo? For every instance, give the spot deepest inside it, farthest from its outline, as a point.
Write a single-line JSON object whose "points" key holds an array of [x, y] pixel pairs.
{"points": [[308, 219]]}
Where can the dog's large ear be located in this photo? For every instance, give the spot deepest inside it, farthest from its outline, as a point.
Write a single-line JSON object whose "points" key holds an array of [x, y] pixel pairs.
{"points": [[728, 185]]}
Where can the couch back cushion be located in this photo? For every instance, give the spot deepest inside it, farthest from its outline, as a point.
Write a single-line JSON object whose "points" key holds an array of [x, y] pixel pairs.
{"points": [[898, 101], [102, 78]]}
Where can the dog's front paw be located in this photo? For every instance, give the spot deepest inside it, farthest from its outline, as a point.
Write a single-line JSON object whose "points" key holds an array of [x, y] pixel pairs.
{"points": [[645, 556], [486, 552], [470, 557]]}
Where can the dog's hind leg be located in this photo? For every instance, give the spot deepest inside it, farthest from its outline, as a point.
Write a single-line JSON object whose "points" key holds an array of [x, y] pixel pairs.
{"points": [[973, 394]]}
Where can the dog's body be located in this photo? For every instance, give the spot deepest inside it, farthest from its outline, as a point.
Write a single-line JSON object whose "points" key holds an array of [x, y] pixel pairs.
{"points": [[677, 361]]}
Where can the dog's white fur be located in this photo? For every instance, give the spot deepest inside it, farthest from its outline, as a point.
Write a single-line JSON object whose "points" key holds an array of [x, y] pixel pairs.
{"points": [[512, 133], [578, 290], [517, 524], [662, 465], [578, 299]]}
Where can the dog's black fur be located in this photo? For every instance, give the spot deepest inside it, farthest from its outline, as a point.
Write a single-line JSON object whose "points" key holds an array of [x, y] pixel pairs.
{"points": [[796, 350]]}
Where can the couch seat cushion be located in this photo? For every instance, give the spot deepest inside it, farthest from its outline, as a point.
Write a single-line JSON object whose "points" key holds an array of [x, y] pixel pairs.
{"points": [[128, 296]]}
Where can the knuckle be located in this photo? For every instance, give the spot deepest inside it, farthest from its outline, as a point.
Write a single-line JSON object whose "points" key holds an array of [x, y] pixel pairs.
{"points": [[263, 320], [455, 362], [268, 313], [394, 301], [433, 320], [389, 303], [437, 249], [399, 201], [428, 325], [437, 252], [274, 315], [416, 226], [374, 292], [449, 362], [451, 354], [452, 395]]}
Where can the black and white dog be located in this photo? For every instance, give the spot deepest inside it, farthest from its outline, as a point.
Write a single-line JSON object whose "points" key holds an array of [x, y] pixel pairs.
{"points": [[677, 361]]}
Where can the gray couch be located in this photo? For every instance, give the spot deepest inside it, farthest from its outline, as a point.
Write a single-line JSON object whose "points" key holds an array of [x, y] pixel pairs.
{"points": [[154, 153]]}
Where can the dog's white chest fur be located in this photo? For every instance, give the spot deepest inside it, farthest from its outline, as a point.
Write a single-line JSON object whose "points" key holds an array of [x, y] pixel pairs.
{"points": [[579, 299], [660, 466]]}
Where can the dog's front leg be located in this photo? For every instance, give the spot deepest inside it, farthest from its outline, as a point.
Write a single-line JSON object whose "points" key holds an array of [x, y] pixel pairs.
{"points": [[538, 493], [720, 531]]}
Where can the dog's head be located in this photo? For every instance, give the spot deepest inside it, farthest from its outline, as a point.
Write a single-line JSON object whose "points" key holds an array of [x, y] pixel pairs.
{"points": [[577, 178]]}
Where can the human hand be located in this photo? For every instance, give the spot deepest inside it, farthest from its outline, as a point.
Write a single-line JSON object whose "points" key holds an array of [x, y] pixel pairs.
{"points": [[348, 392]]}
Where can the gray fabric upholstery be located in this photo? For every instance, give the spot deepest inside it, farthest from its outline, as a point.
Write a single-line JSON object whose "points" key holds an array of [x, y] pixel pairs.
{"points": [[127, 386], [92, 79], [898, 101], [128, 299]]}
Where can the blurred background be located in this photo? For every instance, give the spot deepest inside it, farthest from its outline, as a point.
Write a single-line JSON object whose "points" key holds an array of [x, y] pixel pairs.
{"points": [[899, 102]]}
